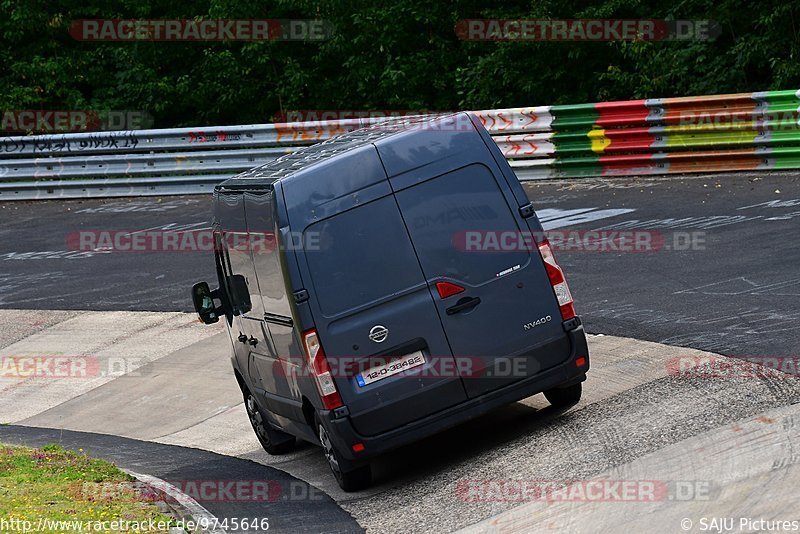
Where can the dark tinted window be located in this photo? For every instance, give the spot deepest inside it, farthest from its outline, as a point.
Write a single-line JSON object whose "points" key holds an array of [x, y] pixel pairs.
{"points": [[364, 254], [262, 230], [442, 212]]}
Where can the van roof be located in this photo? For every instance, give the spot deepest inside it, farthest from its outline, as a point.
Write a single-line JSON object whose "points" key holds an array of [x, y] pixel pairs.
{"points": [[287, 165]]}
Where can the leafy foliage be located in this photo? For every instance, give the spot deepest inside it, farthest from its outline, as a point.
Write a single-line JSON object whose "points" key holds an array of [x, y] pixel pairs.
{"points": [[394, 54]]}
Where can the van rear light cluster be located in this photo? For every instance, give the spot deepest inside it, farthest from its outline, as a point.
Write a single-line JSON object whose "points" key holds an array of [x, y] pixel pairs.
{"points": [[321, 371], [557, 280]]}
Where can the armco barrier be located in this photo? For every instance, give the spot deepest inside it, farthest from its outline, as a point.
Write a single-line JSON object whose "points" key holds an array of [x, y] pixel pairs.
{"points": [[745, 131], [748, 131]]}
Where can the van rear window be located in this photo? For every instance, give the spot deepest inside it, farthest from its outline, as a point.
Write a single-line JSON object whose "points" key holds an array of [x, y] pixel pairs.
{"points": [[363, 254], [461, 223]]}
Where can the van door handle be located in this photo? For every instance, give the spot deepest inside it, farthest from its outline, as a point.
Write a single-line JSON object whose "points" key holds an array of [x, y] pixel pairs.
{"points": [[466, 303]]}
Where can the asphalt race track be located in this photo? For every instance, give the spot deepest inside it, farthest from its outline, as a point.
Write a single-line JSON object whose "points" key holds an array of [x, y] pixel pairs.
{"points": [[734, 293], [721, 274], [706, 262], [637, 420]]}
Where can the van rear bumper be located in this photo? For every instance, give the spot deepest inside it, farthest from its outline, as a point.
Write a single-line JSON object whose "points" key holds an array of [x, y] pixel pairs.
{"points": [[344, 436]]}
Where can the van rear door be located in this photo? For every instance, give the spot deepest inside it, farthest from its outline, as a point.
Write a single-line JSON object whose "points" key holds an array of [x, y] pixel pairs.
{"points": [[372, 309], [505, 323]]}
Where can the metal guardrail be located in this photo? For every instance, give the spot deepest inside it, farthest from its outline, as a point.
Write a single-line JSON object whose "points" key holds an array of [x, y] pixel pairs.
{"points": [[147, 162], [748, 131]]}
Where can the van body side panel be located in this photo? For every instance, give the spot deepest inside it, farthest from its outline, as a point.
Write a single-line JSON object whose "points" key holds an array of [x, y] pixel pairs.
{"points": [[240, 353], [467, 230], [465, 233], [364, 277], [303, 383], [363, 273], [236, 259], [353, 237], [278, 361]]}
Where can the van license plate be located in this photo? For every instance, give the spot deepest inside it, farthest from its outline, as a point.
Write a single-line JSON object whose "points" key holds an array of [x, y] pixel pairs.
{"points": [[388, 369]]}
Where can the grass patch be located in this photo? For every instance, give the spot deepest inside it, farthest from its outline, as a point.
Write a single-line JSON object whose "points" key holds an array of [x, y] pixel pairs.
{"points": [[61, 485]]}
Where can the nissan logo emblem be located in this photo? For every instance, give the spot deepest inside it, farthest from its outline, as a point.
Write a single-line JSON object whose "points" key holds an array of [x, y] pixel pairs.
{"points": [[378, 333]]}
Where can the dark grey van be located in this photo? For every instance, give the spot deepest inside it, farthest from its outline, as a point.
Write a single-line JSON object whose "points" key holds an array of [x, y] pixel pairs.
{"points": [[376, 291]]}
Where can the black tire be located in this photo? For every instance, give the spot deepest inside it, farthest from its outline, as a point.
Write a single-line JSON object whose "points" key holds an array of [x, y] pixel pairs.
{"points": [[273, 440], [566, 396], [348, 479]]}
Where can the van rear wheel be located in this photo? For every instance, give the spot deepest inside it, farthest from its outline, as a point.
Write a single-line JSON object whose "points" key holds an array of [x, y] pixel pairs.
{"points": [[274, 441], [349, 480], [565, 396]]}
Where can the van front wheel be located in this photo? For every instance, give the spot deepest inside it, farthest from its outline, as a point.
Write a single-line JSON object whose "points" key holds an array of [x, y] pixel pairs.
{"points": [[349, 480], [566, 396], [274, 441]]}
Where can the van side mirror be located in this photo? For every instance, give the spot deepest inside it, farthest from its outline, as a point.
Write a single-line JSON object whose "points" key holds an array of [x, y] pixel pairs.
{"points": [[203, 300]]}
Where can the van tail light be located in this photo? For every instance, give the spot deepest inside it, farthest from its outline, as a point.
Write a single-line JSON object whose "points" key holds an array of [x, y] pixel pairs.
{"points": [[321, 371], [557, 280]]}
